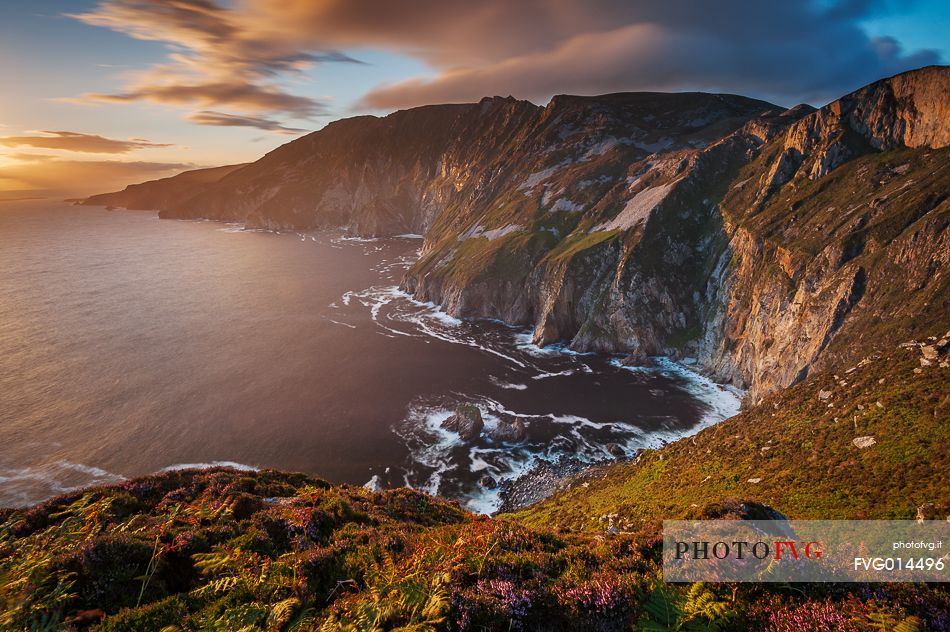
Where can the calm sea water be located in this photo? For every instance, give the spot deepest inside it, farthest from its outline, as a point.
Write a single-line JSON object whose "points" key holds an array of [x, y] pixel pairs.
{"points": [[130, 344]]}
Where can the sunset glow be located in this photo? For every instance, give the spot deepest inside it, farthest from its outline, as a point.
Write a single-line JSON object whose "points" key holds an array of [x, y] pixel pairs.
{"points": [[166, 86], [474, 315]]}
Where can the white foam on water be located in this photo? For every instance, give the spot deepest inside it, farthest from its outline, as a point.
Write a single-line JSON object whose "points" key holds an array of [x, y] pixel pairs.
{"points": [[517, 463], [478, 463], [441, 316], [336, 322], [21, 487], [437, 448], [437, 451], [436, 455], [375, 298], [43, 472], [507, 385], [205, 466], [356, 239], [374, 484], [721, 401], [544, 376], [426, 318], [491, 409], [575, 420], [523, 341], [233, 228], [582, 439]]}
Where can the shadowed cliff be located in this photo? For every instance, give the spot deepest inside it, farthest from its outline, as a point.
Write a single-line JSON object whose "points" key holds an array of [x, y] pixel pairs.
{"points": [[757, 243]]}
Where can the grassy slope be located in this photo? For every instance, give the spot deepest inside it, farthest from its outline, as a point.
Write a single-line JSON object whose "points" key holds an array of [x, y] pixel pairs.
{"points": [[800, 447]]}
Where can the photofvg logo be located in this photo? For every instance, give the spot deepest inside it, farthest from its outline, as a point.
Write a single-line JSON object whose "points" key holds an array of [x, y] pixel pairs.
{"points": [[740, 549], [805, 551]]}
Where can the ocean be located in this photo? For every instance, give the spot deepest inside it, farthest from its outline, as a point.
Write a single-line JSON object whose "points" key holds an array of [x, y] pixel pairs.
{"points": [[130, 344]]}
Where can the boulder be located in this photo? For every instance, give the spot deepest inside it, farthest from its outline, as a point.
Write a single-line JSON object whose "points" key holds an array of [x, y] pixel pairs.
{"points": [[757, 511], [488, 482], [467, 422], [615, 450], [863, 442], [926, 511], [509, 432], [87, 617]]}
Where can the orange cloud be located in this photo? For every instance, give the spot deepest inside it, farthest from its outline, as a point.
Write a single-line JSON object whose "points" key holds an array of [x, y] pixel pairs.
{"points": [[219, 59], [75, 141], [231, 120]]}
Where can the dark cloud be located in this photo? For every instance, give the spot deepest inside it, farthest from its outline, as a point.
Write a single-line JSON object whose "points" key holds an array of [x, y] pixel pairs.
{"points": [[242, 96], [233, 120], [74, 141], [209, 36], [784, 52], [808, 50]]}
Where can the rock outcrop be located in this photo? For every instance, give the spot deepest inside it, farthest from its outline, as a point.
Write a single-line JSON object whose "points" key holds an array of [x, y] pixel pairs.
{"points": [[466, 421], [762, 242], [509, 431]]}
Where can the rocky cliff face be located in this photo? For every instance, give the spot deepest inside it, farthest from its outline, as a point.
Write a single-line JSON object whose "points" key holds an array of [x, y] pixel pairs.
{"points": [[163, 193], [758, 242], [837, 236]]}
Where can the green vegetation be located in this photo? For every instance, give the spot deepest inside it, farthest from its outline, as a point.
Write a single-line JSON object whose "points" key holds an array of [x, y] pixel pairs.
{"points": [[874, 197], [576, 243], [229, 550]]}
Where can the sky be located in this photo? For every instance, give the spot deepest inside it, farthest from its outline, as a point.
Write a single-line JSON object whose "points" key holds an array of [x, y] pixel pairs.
{"points": [[97, 94]]}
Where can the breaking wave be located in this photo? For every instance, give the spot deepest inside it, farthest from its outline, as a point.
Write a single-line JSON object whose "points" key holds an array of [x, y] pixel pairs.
{"points": [[476, 472], [26, 486]]}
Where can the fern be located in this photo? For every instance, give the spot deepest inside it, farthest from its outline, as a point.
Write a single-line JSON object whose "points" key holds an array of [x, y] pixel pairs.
{"points": [[703, 604], [885, 621], [217, 586], [281, 613], [217, 561], [910, 624], [699, 610]]}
